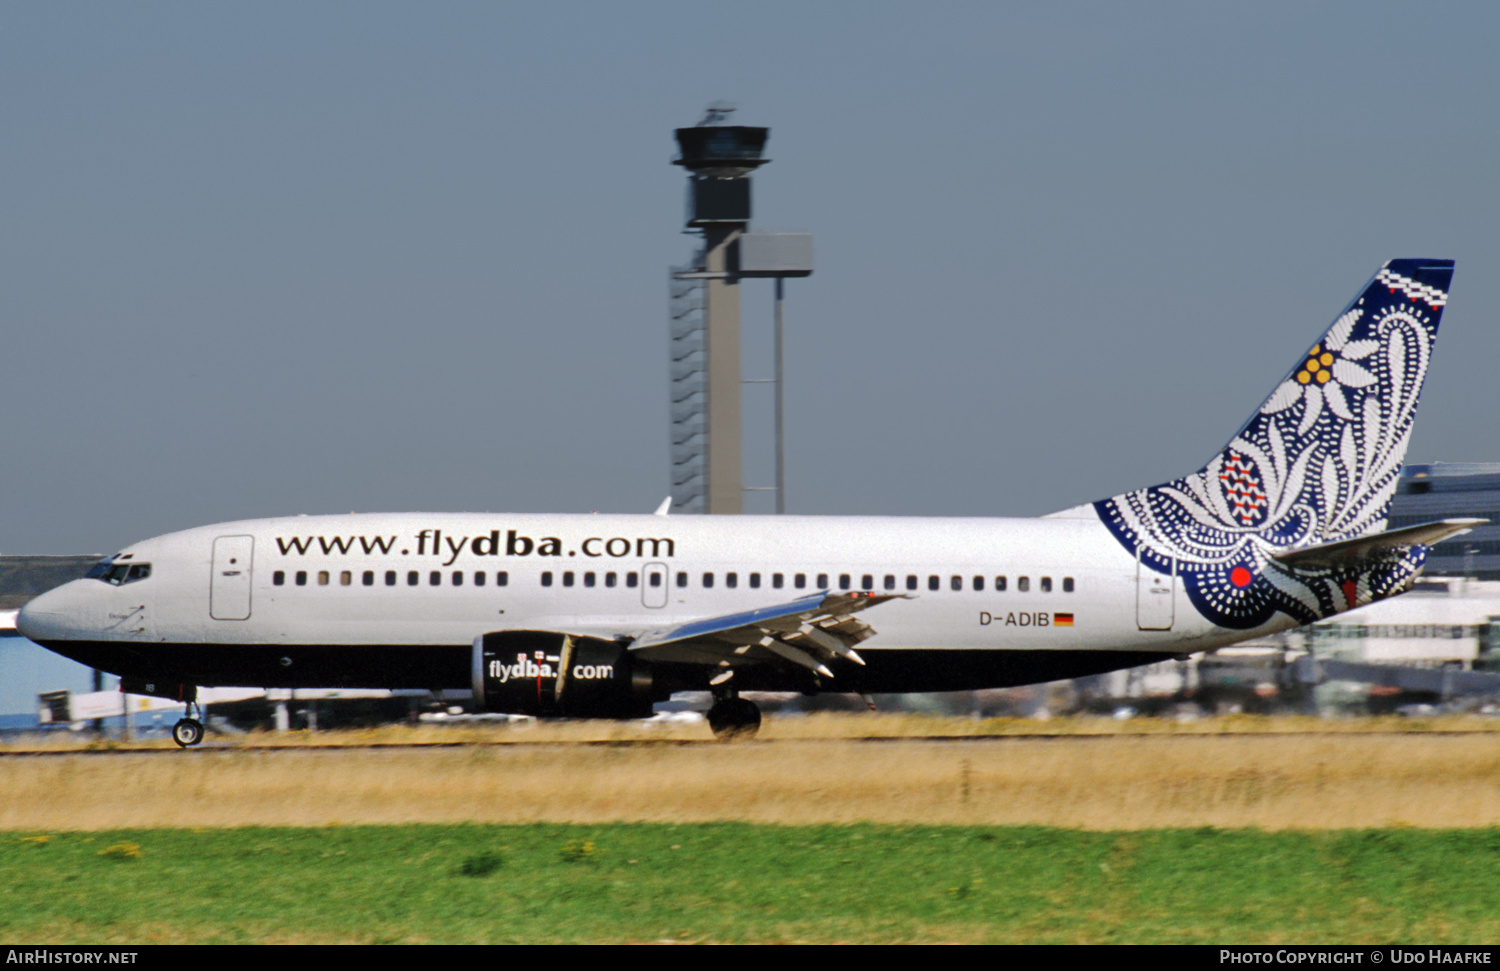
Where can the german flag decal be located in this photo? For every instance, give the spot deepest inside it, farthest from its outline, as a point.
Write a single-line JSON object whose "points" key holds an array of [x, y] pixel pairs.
{"points": [[1062, 620]]}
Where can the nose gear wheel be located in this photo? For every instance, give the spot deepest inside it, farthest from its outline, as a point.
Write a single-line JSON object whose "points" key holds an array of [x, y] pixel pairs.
{"points": [[189, 730]]}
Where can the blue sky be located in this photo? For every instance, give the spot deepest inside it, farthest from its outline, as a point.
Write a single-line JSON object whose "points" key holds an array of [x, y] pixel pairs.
{"points": [[272, 258]]}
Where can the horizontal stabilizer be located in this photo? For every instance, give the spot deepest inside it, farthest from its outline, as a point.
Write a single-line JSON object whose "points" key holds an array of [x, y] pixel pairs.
{"points": [[1352, 552]]}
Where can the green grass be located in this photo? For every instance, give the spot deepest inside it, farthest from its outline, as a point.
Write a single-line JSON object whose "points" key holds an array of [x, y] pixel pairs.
{"points": [[740, 882]]}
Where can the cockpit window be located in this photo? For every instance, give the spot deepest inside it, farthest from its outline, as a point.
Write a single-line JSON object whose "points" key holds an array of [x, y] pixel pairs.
{"points": [[116, 574]]}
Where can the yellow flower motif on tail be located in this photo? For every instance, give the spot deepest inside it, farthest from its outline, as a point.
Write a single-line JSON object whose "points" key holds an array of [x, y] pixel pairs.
{"points": [[1324, 376]]}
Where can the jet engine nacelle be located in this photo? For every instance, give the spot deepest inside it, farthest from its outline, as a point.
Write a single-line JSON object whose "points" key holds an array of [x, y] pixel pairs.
{"points": [[540, 672]]}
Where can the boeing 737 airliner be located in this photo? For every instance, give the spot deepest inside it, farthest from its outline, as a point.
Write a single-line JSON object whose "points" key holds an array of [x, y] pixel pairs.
{"points": [[601, 616]]}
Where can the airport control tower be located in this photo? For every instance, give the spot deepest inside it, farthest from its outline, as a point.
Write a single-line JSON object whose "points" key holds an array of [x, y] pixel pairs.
{"points": [[707, 459]]}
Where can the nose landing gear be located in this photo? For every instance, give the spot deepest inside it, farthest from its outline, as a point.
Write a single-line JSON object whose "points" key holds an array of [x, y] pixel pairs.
{"points": [[187, 732]]}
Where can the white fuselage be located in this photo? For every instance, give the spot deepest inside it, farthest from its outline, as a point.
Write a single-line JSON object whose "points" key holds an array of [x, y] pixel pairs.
{"points": [[419, 580]]}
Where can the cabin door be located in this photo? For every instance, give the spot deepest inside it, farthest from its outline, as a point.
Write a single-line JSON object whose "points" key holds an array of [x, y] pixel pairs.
{"points": [[1155, 594], [229, 587], [654, 585]]}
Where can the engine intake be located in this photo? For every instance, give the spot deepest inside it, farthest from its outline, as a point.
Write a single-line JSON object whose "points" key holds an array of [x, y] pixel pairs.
{"points": [[547, 673]]}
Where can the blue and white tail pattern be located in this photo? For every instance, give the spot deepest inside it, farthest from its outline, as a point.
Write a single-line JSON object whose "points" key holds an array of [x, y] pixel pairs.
{"points": [[1317, 463]]}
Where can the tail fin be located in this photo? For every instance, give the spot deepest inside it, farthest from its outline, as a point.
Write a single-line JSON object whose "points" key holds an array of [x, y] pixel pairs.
{"points": [[1317, 463]]}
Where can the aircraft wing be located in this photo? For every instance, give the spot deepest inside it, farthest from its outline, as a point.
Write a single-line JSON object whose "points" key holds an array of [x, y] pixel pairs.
{"points": [[808, 632], [1352, 552]]}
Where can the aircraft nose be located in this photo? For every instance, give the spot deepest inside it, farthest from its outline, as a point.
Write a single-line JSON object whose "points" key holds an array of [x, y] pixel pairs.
{"points": [[43, 618]]}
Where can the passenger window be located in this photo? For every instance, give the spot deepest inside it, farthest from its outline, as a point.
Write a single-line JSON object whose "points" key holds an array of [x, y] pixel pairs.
{"points": [[731, 579], [435, 578], [890, 582], [369, 578], [978, 584], [1023, 584], [278, 578], [411, 578], [502, 579], [630, 580], [844, 582], [822, 581], [346, 577], [911, 581], [610, 579], [322, 578], [682, 578], [1000, 584], [458, 578], [588, 579], [1067, 584], [933, 583], [567, 578], [867, 582], [800, 581], [708, 580], [655, 580], [755, 581], [778, 581], [1046, 584], [479, 578], [546, 578], [390, 578], [301, 578], [956, 582]]}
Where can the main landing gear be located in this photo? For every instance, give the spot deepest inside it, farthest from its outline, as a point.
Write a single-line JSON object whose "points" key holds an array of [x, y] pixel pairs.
{"points": [[732, 717], [189, 730]]}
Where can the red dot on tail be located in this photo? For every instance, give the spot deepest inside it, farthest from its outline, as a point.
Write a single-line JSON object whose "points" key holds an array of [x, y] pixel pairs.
{"points": [[1240, 577]]}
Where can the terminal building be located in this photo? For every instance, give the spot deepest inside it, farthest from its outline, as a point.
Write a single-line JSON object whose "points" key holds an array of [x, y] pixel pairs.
{"points": [[1448, 490]]}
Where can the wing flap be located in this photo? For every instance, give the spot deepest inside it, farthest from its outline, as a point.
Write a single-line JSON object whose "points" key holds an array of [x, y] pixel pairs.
{"points": [[807, 632]]}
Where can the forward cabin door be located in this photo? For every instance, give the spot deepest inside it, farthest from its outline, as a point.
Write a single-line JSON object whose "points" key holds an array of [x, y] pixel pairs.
{"points": [[654, 585], [1155, 594], [229, 590]]}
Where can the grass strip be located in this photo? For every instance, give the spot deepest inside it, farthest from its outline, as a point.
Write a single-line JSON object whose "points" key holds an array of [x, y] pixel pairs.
{"points": [[734, 882]]}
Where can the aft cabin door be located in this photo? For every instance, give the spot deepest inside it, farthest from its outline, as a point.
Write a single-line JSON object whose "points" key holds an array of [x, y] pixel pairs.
{"points": [[1154, 595], [229, 590]]}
